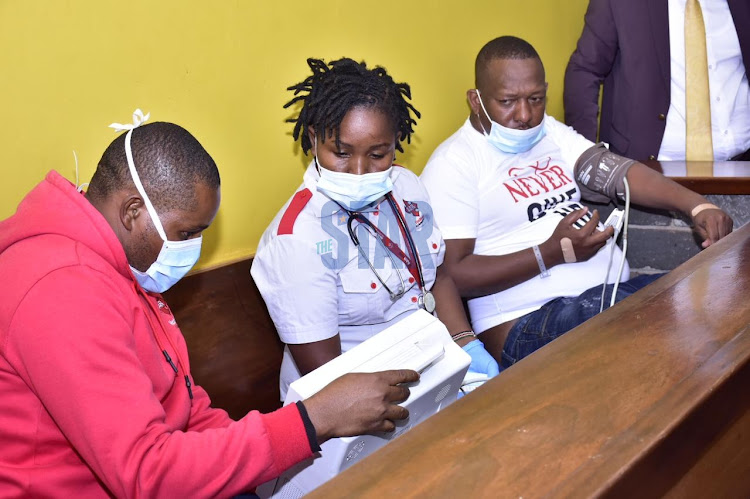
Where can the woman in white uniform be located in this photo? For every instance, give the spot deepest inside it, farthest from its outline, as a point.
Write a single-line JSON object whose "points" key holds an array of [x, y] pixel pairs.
{"points": [[355, 249]]}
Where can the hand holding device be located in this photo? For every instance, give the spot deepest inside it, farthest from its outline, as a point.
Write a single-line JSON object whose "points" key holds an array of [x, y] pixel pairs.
{"points": [[585, 241], [615, 220], [359, 403], [481, 360]]}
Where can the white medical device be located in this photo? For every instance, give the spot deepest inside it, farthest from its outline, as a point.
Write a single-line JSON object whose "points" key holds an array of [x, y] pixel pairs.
{"points": [[618, 219], [419, 342], [615, 220]]}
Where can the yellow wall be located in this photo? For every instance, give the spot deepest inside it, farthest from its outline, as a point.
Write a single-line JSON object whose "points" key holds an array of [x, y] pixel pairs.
{"points": [[70, 68]]}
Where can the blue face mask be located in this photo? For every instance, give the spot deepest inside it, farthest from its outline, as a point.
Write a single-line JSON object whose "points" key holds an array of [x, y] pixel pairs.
{"points": [[176, 258], [510, 140], [354, 192]]}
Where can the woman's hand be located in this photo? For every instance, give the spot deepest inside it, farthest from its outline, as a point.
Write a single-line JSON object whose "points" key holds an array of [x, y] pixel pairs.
{"points": [[481, 360]]}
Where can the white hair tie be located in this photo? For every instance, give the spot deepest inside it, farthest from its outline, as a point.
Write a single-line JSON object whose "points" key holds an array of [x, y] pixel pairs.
{"points": [[138, 120]]}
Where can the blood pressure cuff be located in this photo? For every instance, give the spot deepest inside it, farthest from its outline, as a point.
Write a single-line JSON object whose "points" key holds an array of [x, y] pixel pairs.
{"points": [[600, 173]]}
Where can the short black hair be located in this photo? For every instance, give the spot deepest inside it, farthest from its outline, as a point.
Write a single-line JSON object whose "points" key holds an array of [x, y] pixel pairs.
{"points": [[335, 88], [170, 163], [503, 47]]}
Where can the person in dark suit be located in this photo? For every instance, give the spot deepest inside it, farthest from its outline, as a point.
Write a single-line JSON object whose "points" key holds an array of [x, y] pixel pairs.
{"points": [[630, 48]]}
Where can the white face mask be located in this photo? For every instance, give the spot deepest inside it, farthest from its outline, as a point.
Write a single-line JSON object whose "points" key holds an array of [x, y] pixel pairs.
{"points": [[354, 192], [510, 140], [176, 258]]}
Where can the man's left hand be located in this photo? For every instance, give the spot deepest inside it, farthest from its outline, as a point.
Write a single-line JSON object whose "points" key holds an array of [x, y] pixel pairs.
{"points": [[712, 225]]}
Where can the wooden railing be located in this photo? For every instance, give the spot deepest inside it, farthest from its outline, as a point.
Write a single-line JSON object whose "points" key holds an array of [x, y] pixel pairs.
{"points": [[726, 177], [649, 399]]}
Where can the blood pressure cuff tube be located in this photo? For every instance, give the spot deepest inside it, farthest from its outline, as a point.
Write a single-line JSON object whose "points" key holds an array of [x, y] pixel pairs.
{"points": [[600, 173]]}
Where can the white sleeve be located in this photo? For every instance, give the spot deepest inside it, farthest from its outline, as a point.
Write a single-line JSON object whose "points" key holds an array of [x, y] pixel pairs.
{"points": [[452, 182], [571, 143], [299, 290]]}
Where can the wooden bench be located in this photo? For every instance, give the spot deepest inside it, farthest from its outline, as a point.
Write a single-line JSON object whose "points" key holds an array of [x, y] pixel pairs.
{"points": [[235, 353], [649, 399]]}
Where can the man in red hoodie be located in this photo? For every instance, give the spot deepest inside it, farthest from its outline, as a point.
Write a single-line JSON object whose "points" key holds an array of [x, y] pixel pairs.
{"points": [[96, 397]]}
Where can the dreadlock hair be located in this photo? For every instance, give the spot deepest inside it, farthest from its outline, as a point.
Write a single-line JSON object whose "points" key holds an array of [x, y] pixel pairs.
{"points": [[169, 161], [335, 88], [503, 47]]}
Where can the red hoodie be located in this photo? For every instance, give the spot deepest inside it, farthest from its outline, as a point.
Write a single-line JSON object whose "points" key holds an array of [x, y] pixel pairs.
{"points": [[89, 405]]}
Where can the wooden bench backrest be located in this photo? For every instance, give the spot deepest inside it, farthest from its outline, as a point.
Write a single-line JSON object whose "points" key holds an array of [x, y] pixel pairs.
{"points": [[235, 353]]}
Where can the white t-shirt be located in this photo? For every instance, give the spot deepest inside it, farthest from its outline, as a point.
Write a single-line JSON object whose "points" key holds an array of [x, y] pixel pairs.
{"points": [[727, 83], [509, 203], [315, 282]]}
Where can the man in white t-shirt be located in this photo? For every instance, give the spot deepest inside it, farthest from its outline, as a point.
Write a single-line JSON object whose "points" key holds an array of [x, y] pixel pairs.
{"points": [[506, 191]]}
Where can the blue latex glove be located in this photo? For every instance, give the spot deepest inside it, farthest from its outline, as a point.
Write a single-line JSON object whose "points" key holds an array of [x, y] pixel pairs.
{"points": [[481, 360]]}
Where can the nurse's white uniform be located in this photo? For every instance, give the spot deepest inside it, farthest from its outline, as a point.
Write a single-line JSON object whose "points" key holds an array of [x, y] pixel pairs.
{"points": [[316, 284]]}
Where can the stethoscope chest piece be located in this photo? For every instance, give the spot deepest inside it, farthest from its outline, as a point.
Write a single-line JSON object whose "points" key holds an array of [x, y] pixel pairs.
{"points": [[428, 301]]}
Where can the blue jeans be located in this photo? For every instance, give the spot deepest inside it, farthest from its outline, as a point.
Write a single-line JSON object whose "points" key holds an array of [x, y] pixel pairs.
{"points": [[557, 317]]}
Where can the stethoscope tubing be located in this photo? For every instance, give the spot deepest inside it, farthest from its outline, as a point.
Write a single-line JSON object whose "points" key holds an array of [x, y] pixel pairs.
{"points": [[404, 230]]}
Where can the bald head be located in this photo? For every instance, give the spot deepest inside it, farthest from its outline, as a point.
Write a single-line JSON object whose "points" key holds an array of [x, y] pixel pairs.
{"points": [[170, 163], [504, 47]]}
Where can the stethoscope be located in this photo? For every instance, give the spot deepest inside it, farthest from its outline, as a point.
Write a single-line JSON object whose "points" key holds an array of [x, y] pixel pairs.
{"points": [[426, 298]]}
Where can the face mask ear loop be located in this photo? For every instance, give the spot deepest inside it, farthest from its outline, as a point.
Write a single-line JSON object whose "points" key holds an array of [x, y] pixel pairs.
{"points": [[315, 154], [141, 191], [479, 96], [79, 187]]}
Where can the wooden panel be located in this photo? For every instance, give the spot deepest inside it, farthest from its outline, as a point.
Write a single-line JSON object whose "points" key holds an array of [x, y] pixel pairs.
{"points": [[235, 353], [624, 405], [684, 425], [724, 469], [730, 177]]}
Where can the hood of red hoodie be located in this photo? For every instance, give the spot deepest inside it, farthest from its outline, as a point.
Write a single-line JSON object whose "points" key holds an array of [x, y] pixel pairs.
{"points": [[55, 207]]}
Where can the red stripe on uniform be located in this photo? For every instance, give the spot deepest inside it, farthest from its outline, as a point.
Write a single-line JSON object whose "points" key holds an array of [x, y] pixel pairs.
{"points": [[286, 226]]}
